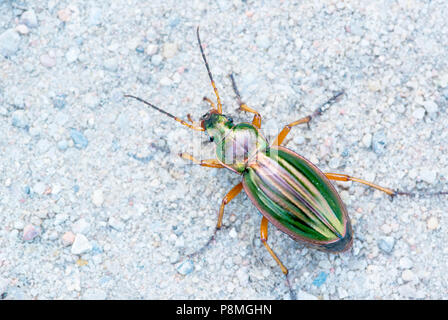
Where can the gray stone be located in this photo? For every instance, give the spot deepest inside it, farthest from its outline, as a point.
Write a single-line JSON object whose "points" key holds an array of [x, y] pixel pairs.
{"points": [[9, 42]]}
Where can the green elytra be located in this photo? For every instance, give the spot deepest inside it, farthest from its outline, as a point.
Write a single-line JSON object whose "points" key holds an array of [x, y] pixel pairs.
{"points": [[290, 192]]}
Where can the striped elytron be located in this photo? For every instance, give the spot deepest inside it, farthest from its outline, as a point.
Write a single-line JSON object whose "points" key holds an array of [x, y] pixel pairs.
{"points": [[290, 192]]}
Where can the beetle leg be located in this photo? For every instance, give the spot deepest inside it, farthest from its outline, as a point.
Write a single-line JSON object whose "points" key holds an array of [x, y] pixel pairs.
{"points": [[257, 117], [345, 177], [209, 101], [229, 196], [286, 129], [282, 135], [264, 240], [211, 163]]}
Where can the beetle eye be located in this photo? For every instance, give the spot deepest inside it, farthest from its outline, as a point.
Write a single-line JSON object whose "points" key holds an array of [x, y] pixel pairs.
{"points": [[212, 139], [230, 119], [205, 116]]}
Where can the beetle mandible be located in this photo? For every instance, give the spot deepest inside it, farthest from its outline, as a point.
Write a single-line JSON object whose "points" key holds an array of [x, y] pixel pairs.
{"points": [[290, 191]]}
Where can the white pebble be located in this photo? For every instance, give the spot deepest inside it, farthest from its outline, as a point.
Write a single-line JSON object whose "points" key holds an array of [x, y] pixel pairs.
{"points": [[47, 61], [9, 42], [233, 233], [98, 198], [80, 226], [169, 50], [432, 223], [22, 29], [430, 106], [116, 223], [165, 81], [405, 263], [81, 245], [428, 175], [408, 275], [72, 54], [419, 113], [367, 140], [29, 18]]}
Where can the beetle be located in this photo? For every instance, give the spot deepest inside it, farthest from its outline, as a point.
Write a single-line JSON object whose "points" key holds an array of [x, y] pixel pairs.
{"points": [[290, 192]]}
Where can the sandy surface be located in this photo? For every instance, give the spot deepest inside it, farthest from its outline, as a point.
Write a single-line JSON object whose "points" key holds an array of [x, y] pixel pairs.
{"points": [[95, 203]]}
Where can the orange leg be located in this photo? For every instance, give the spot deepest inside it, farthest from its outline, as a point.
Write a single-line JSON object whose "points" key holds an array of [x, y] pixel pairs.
{"points": [[211, 163], [286, 129], [257, 117], [282, 135], [345, 177], [209, 101], [264, 240], [229, 196]]}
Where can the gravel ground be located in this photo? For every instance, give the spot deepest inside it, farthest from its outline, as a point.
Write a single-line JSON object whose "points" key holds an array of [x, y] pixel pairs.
{"points": [[95, 203]]}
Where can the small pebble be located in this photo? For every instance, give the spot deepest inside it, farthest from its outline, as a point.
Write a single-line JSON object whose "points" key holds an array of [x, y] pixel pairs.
{"points": [[19, 119], [169, 50], [185, 267], [405, 263], [95, 16], [151, 49], [80, 226], [430, 106], [233, 234], [9, 42], [428, 175], [116, 223], [30, 232], [64, 15], [342, 293], [263, 41], [29, 19], [320, 279], [334, 163], [98, 198], [47, 61], [367, 140], [39, 188], [79, 139], [81, 262], [59, 101], [111, 64], [68, 238], [386, 244], [80, 245], [419, 113], [22, 29], [379, 142], [165, 81], [62, 145], [299, 140], [432, 223], [408, 275], [156, 59], [91, 100], [72, 54]]}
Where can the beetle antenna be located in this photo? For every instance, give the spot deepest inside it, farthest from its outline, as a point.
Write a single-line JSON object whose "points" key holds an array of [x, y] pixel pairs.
{"points": [[209, 72], [165, 113]]}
